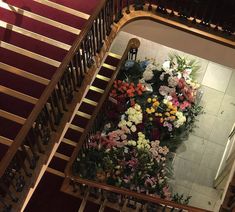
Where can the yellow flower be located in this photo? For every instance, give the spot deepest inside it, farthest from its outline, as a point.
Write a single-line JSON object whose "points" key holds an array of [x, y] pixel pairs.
{"points": [[152, 110], [150, 119], [156, 114], [148, 110], [159, 114], [154, 100], [173, 112], [149, 100], [156, 104], [161, 120], [172, 117], [167, 114]]}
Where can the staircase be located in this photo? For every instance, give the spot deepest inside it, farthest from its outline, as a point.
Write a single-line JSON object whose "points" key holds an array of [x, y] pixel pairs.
{"points": [[48, 195], [35, 37]]}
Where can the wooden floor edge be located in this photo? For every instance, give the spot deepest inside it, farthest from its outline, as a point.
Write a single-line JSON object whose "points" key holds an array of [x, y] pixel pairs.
{"points": [[145, 14]]}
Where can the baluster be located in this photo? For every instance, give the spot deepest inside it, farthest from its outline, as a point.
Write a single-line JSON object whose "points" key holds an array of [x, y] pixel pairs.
{"points": [[100, 31], [150, 5], [94, 39], [36, 135], [84, 57], [21, 161], [30, 160], [62, 97], [6, 207], [72, 75], [138, 5], [76, 69], [32, 148], [4, 186]]}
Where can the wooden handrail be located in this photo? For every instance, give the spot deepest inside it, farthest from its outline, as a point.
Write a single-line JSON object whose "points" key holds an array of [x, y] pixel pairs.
{"points": [[132, 44], [47, 92], [129, 193]]}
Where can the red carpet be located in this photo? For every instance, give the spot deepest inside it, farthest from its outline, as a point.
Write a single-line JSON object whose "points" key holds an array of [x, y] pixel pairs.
{"points": [[81, 5], [37, 26], [49, 12], [32, 45], [9, 129], [27, 64], [21, 84], [23, 108]]}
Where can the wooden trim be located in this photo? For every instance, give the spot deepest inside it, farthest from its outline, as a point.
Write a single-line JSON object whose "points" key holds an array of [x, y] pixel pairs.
{"points": [[109, 66], [5, 141], [12, 117], [18, 95], [90, 102], [99, 76], [55, 172], [30, 54], [69, 142], [84, 115], [63, 8], [61, 156], [74, 127], [39, 18], [34, 35], [98, 90], [117, 56], [151, 15], [24, 74]]}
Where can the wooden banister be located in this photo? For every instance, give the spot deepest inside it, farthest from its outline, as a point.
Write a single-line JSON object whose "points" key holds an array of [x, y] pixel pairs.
{"points": [[132, 44], [47, 92]]}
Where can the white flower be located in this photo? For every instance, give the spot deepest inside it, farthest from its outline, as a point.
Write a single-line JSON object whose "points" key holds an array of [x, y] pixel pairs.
{"points": [[148, 75], [133, 128], [166, 65]]}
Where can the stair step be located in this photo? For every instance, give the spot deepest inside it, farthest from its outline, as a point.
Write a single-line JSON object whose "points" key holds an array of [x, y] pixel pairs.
{"points": [[30, 65], [41, 28], [73, 135], [21, 84], [93, 95], [58, 164], [3, 150], [48, 197], [49, 12], [40, 18], [100, 83], [32, 44], [65, 149], [12, 117], [9, 129], [86, 108], [80, 121], [79, 5], [106, 72], [7, 103], [91, 206], [112, 61]]}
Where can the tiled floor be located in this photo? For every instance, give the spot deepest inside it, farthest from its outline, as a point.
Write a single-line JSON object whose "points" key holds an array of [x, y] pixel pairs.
{"points": [[198, 158]]}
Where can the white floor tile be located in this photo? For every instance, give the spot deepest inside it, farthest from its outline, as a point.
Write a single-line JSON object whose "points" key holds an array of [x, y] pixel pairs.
{"points": [[217, 76], [192, 149], [231, 86]]}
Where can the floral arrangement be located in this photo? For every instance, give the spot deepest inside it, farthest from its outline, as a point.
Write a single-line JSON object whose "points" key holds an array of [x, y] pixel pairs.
{"points": [[154, 110]]}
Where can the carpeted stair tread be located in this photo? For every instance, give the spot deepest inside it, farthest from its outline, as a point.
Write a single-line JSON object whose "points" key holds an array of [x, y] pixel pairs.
{"points": [[73, 135], [108, 209], [80, 121], [21, 108], [106, 72], [65, 149], [100, 83], [80, 5], [93, 95], [58, 164], [21, 84], [32, 44], [29, 65], [3, 150], [48, 197], [49, 12], [87, 108], [9, 129], [37, 26], [91, 206], [112, 61]]}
